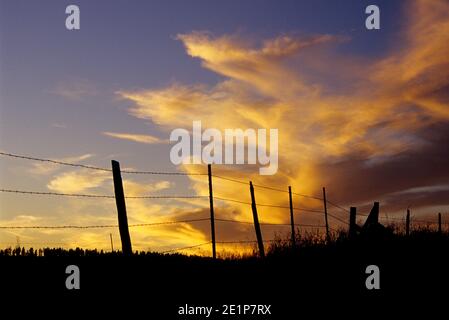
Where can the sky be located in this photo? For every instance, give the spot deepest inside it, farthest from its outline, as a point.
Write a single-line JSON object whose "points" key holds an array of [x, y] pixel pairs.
{"points": [[362, 112]]}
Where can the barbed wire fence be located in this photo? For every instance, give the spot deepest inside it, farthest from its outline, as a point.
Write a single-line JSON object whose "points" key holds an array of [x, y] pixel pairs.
{"points": [[122, 215]]}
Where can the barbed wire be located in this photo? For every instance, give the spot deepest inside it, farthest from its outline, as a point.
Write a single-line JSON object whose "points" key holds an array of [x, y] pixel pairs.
{"points": [[167, 197], [195, 197], [106, 225], [71, 164], [265, 187], [54, 161], [56, 194], [344, 209], [60, 227], [337, 206], [231, 179], [337, 218], [241, 241], [166, 173], [153, 197], [411, 220], [380, 218], [236, 241], [155, 224], [231, 200], [102, 196], [170, 197], [268, 223], [168, 222], [185, 248], [268, 205], [308, 210], [12, 242]]}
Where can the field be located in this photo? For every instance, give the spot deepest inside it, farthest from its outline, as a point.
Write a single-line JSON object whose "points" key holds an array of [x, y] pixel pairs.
{"points": [[412, 266]]}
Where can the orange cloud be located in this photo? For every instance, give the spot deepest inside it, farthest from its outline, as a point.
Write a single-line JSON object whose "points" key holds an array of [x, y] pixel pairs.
{"points": [[266, 87]]}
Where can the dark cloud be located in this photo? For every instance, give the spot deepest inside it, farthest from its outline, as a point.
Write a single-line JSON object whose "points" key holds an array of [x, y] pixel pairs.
{"points": [[354, 180]]}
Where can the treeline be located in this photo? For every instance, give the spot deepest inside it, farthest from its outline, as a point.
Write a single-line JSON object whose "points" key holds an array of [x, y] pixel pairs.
{"points": [[48, 252], [61, 252]]}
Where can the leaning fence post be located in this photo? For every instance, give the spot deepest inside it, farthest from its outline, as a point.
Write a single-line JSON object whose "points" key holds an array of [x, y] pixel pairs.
{"points": [[352, 221], [121, 209], [256, 221], [373, 216], [292, 220], [439, 222], [407, 223], [325, 214], [212, 217]]}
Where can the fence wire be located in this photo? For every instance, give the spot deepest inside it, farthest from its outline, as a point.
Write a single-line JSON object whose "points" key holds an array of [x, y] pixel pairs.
{"points": [[140, 172]]}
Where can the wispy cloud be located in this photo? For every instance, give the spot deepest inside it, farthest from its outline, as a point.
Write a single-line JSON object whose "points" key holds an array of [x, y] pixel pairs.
{"points": [[59, 125], [74, 89], [142, 138]]}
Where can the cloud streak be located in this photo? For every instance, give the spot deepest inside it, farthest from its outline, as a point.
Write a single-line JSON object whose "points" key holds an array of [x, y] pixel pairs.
{"points": [[142, 138], [74, 89]]}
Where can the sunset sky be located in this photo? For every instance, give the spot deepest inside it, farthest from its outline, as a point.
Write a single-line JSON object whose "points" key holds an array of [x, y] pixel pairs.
{"points": [[363, 113]]}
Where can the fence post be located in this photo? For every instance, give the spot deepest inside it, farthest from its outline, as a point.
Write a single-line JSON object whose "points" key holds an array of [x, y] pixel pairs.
{"points": [[352, 221], [292, 220], [256, 221], [407, 223], [439, 222], [325, 214], [121, 209], [373, 216], [212, 217]]}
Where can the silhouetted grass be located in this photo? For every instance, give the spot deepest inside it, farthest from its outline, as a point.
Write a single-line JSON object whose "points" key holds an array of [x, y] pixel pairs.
{"points": [[421, 235], [312, 269]]}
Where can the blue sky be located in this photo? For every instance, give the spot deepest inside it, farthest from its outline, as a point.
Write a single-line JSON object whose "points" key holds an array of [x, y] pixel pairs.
{"points": [[132, 45]]}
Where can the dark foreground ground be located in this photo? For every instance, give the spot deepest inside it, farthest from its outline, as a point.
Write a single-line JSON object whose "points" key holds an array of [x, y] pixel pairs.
{"points": [[414, 275]]}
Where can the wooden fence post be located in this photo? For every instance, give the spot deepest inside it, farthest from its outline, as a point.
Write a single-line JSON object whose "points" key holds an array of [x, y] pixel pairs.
{"points": [[212, 217], [121, 209], [352, 221], [325, 214], [439, 222], [407, 223], [256, 221], [292, 220]]}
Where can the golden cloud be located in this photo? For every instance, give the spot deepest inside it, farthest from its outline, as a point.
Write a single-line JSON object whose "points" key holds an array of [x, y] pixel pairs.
{"points": [[142, 138], [77, 181], [275, 85]]}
